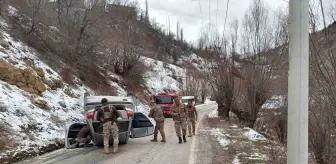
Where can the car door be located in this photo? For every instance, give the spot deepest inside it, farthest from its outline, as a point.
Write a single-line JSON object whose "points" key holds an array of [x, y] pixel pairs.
{"points": [[141, 126], [71, 131]]}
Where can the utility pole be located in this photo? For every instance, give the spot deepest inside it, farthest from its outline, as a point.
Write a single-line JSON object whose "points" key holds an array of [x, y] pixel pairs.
{"points": [[298, 83]]}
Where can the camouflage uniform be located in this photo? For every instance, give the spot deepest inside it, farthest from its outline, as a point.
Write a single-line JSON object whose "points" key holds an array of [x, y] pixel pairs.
{"points": [[83, 137], [192, 118], [157, 113], [108, 117], [179, 113]]}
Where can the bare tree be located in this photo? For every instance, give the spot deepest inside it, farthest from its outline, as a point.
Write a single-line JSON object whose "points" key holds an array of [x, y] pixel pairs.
{"points": [[82, 27], [260, 65], [332, 11], [322, 115]]}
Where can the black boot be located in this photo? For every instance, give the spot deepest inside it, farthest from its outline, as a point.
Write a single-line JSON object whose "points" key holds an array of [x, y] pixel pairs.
{"points": [[184, 139], [180, 140]]}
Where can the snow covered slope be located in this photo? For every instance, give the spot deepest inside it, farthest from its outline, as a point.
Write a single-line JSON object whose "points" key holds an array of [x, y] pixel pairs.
{"points": [[34, 120], [163, 76], [34, 116]]}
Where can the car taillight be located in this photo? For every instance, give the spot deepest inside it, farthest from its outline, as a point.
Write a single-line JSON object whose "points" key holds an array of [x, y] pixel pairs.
{"points": [[129, 114], [90, 116]]}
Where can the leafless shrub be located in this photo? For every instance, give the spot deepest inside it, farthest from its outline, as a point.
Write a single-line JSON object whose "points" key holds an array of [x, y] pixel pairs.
{"points": [[259, 65], [67, 75], [322, 95]]}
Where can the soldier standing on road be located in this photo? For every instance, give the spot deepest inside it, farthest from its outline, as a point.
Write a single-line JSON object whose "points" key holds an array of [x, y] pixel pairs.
{"points": [[192, 117], [108, 115], [179, 113], [157, 113]]}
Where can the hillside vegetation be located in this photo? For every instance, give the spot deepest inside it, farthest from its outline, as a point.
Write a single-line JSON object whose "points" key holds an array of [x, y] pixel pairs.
{"points": [[249, 75]]}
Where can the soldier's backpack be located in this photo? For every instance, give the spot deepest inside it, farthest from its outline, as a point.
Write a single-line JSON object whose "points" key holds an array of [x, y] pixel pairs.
{"points": [[108, 113]]}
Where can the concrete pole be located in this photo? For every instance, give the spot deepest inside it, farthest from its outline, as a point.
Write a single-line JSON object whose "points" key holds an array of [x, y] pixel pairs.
{"points": [[297, 137]]}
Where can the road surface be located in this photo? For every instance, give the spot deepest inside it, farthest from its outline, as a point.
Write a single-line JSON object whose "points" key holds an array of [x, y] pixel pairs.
{"points": [[137, 151]]}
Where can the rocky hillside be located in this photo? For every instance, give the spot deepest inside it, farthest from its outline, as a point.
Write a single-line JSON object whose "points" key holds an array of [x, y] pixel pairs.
{"points": [[36, 101]]}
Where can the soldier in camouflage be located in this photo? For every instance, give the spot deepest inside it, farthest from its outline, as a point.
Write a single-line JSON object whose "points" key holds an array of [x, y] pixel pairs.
{"points": [[179, 114], [108, 115], [83, 137], [192, 117], [157, 113]]}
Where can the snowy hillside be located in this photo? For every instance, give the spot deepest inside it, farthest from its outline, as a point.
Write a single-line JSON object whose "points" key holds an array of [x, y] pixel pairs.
{"points": [[34, 114], [162, 76]]}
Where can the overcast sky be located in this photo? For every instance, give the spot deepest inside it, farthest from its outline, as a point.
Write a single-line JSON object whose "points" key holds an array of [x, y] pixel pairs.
{"points": [[193, 13]]}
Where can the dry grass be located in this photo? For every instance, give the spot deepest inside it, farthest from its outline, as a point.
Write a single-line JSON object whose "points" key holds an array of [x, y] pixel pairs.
{"points": [[241, 148]]}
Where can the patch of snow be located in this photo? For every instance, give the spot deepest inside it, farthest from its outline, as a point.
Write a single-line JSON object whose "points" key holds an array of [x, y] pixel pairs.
{"points": [[234, 126], [274, 102], [236, 160], [213, 114], [162, 76], [53, 28], [208, 101], [221, 137], [120, 91], [253, 135], [257, 156], [12, 11]]}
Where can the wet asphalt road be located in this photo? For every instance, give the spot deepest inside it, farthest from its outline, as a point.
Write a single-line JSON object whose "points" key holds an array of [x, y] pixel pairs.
{"points": [[137, 151]]}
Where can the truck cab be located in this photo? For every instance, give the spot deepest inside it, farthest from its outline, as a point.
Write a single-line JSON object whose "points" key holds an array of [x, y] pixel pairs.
{"points": [[186, 99], [166, 100]]}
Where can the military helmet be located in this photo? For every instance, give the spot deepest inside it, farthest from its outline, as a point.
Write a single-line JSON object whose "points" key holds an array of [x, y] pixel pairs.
{"points": [[103, 100]]}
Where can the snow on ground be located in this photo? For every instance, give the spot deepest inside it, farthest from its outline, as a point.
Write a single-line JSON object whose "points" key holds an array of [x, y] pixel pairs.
{"points": [[274, 102], [213, 114], [162, 76], [221, 137], [253, 135], [245, 144], [208, 101], [236, 160], [196, 61], [32, 126]]}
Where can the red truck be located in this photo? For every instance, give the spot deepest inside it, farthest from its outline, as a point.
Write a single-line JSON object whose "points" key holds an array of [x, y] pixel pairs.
{"points": [[166, 101]]}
